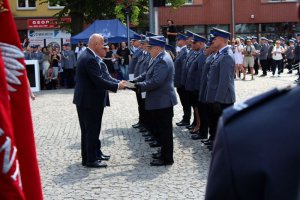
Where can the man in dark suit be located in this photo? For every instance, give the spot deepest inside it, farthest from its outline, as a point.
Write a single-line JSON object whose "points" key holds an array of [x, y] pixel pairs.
{"points": [[297, 56], [91, 96], [220, 80], [157, 82], [258, 159]]}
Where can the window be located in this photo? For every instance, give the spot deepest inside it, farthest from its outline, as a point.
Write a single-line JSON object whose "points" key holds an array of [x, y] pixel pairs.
{"points": [[188, 1], [57, 5], [26, 4]]}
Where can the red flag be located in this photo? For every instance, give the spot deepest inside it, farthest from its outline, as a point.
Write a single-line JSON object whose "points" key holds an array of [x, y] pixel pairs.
{"points": [[20, 108], [10, 185]]}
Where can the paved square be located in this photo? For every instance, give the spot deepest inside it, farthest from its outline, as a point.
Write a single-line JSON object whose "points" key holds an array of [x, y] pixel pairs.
{"points": [[128, 175]]}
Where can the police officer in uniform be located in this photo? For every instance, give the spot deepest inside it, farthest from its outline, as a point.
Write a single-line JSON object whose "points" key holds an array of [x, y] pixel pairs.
{"points": [[263, 55], [185, 101], [257, 48], [193, 77], [157, 82], [210, 52], [68, 64], [258, 160], [220, 92], [179, 64], [141, 67]]}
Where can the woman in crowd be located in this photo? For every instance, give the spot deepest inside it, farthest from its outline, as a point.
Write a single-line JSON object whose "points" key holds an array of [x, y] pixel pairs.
{"points": [[277, 56], [238, 56]]}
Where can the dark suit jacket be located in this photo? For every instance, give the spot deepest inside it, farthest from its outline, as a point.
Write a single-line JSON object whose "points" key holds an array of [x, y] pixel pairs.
{"points": [[91, 90], [257, 150]]}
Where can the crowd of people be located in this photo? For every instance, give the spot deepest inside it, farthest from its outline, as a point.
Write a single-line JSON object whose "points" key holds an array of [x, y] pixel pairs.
{"points": [[271, 56]]}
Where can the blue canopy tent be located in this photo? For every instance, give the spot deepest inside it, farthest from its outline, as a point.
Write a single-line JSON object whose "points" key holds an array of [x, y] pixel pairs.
{"points": [[113, 30]]}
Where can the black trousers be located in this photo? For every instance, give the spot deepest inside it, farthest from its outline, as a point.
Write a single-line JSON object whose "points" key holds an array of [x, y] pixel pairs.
{"points": [[141, 109], [69, 76], [269, 64], [161, 123], [264, 66], [203, 113], [90, 120], [290, 63], [279, 64], [185, 102], [42, 80], [256, 66], [214, 112]]}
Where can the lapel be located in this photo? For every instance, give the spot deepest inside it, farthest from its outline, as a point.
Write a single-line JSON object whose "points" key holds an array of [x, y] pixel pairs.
{"points": [[158, 57]]}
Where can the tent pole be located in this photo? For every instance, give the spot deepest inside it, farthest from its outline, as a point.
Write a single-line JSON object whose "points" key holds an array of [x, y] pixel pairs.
{"points": [[128, 37]]}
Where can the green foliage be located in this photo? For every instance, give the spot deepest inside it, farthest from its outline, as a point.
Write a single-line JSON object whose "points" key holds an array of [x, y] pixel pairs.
{"points": [[89, 10]]}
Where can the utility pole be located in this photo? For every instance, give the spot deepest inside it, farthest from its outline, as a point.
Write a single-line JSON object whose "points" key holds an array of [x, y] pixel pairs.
{"points": [[232, 18], [151, 18]]}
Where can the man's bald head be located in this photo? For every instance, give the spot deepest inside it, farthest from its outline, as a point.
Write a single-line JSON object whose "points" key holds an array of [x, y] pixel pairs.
{"points": [[96, 43]]}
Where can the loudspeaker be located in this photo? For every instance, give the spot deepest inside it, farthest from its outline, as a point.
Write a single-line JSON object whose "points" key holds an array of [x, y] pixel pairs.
{"points": [[159, 3]]}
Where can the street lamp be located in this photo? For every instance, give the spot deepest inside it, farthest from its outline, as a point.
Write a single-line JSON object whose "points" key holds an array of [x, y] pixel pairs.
{"points": [[128, 11]]}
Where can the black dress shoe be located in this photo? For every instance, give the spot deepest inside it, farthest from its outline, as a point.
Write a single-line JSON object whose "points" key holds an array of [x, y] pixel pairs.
{"points": [[156, 155], [103, 157], [137, 125], [146, 134], [205, 140], [190, 127], [154, 144], [149, 139], [198, 137], [143, 129], [194, 132], [210, 147], [182, 123], [159, 162], [209, 142], [96, 164]]}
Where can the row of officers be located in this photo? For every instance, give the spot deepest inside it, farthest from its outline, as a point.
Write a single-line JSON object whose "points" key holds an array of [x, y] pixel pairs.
{"points": [[203, 75], [250, 160]]}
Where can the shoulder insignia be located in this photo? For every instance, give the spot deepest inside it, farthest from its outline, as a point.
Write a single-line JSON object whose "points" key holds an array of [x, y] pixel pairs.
{"points": [[240, 108]]}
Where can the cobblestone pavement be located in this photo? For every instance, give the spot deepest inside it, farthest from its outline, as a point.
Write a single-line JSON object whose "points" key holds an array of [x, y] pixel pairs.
{"points": [[129, 175]]}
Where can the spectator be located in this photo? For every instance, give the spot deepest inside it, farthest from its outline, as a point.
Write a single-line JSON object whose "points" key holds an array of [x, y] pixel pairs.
{"points": [[269, 58], [238, 57], [249, 52], [172, 35], [123, 55], [79, 49], [277, 55], [50, 79], [55, 62], [108, 60]]}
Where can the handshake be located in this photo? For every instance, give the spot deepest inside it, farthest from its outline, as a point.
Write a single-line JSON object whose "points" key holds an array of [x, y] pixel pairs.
{"points": [[127, 85]]}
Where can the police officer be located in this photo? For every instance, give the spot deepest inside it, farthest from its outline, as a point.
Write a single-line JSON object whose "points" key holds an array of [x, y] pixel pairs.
{"points": [[178, 64], [68, 64], [257, 48], [137, 53], [210, 52], [269, 57], [220, 81], [157, 82], [263, 55], [141, 67], [39, 56], [185, 101], [192, 79], [290, 56], [261, 159]]}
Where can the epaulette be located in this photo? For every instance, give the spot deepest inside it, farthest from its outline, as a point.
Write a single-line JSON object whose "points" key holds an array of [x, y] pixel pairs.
{"points": [[239, 109]]}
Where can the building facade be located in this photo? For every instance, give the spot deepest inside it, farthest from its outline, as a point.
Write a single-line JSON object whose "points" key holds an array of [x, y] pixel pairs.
{"points": [[269, 18], [35, 21]]}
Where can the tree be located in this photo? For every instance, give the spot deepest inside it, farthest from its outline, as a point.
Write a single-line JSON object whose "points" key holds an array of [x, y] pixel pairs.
{"points": [[86, 11]]}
